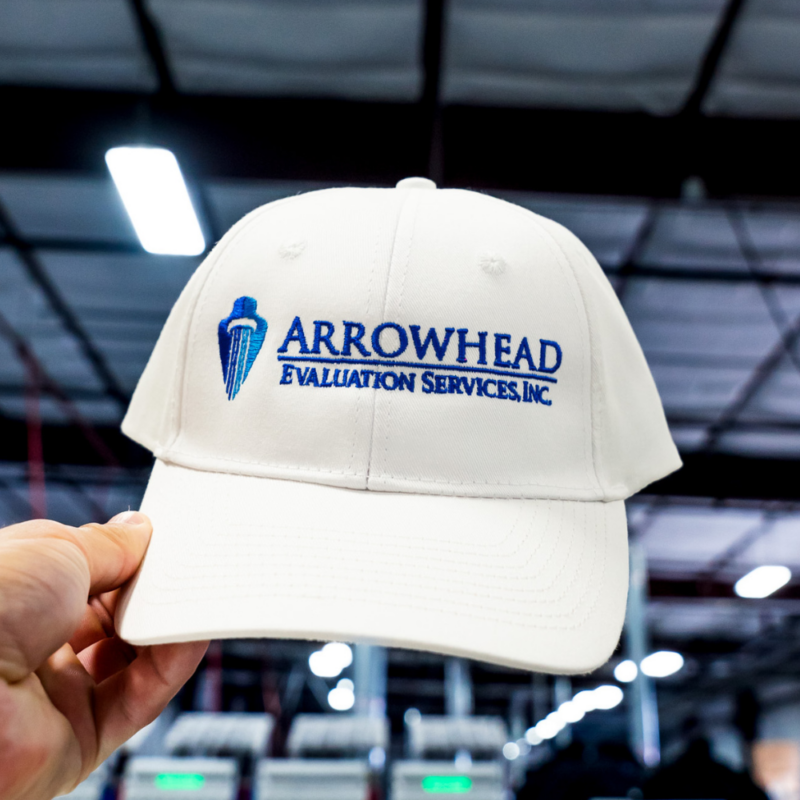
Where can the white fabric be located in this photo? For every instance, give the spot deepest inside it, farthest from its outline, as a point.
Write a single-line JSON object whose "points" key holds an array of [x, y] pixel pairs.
{"points": [[411, 256], [538, 585], [262, 522]]}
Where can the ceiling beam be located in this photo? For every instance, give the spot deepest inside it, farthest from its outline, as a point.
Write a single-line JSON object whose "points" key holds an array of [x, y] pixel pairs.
{"points": [[713, 58], [750, 388], [700, 587], [67, 444], [723, 476], [38, 274], [608, 153], [154, 45], [432, 52], [636, 249], [752, 257], [700, 272]]}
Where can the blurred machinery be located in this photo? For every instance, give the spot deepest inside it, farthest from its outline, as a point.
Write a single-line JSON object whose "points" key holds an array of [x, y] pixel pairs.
{"points": [[153, 777], [312, 779], [442, 737], [318, 735], [220, 734], [416, 780], [331, 758]]}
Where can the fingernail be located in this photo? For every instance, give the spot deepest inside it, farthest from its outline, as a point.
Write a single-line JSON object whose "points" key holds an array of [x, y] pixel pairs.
{"points": [[130, 518]]}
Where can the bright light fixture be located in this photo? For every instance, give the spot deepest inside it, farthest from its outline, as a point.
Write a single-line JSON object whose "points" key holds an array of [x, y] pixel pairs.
{"points": [[532, 737], [607, 696], [377, 757], [548, 727], [463, 760], [154, 194], [662, 663], [571, 711], [586, 700], [342, 698], [511, 750], [762, 581], [331, 660], [626, 671]]}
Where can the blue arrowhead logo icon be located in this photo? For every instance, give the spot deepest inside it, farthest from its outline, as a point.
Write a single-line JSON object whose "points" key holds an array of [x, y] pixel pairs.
{"points": [[241, 335]]}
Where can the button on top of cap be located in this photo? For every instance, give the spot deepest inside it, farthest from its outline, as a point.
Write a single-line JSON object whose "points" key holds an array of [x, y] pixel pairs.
{"points": [[416, 183]]}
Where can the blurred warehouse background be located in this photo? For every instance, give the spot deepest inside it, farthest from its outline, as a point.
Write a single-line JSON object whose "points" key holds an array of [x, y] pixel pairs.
{"points": [[664, 133]]}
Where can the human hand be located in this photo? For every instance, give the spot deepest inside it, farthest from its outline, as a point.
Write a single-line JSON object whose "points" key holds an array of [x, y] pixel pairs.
{"points": [[71, 691]]}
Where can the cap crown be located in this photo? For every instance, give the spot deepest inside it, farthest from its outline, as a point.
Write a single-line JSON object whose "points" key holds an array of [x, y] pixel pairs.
{"points": [[412, 340]]}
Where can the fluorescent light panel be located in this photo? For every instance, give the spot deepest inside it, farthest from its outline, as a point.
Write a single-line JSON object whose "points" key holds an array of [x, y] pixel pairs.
{"points": [[661, 663], [762, 581], [626, 671], [154, 194]]}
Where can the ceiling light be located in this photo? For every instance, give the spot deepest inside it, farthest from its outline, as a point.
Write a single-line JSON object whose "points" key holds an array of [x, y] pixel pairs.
{"points": [[154, 194], [377, 758], [558, 718], [608, 696], [662, 663], [331, 660], [342, 697], [548, 728], [571, 711], [762, 581], [532, 737], [412, 716], [585, 700], [511, 750], [626, 671], [339, 652]]}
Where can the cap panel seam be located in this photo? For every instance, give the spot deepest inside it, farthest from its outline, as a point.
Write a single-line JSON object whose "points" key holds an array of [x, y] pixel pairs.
{"points": [[406, 200], [401, 297], [164, 456], [598, 408], [590, 473], [167, 456], [359, 394]]}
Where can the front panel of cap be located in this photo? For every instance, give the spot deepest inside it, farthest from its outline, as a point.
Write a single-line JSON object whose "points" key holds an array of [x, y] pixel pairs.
{"points": [[398, 340], [297, 266], [504, 409]]}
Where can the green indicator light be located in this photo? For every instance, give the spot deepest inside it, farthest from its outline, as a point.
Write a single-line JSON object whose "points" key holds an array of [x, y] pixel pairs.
{"points": [[446, 784], [179, 781]]}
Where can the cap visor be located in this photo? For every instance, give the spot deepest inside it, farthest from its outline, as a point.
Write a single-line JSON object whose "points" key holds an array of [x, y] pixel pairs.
{"points": [[535, 584]]}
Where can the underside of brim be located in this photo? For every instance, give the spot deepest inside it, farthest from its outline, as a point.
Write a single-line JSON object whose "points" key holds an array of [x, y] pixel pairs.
{"points": [[535, 584]]}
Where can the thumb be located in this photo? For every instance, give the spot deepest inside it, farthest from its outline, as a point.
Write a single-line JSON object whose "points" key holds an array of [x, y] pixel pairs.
{"points": [[115, 550]]}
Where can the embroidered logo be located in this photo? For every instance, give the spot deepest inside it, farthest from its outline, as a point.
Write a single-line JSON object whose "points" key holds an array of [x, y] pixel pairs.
{"points": [[501, 366], [241, 335]]}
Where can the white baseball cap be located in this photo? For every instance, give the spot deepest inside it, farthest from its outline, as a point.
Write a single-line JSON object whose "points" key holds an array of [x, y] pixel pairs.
{"points": [[407, 416]]}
